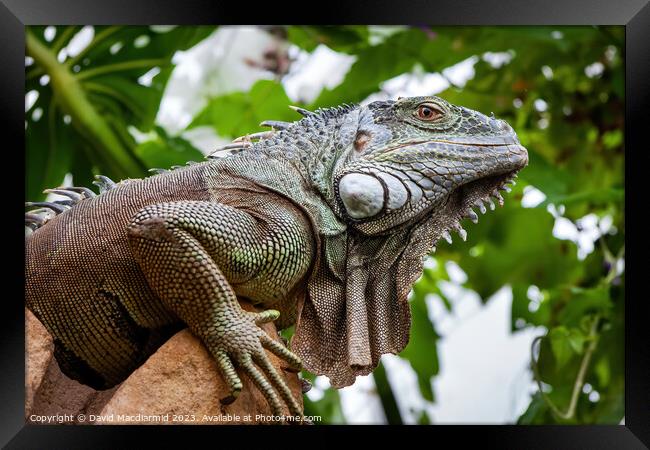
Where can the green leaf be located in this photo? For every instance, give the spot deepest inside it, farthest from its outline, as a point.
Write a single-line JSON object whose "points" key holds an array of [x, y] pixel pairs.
{"points": [[535, 411], [164, 151], [612, 139], [421, 350], [50, 147], [546, 177], [521, 307], [341, 39], [386, 396], [378, 63], [566, 342], [90, 99], [576, 340], [610, 409], [580, 302], [518, 249], [559, 337], [603, 371], [605, 196], [240, 113], [423, 418]]}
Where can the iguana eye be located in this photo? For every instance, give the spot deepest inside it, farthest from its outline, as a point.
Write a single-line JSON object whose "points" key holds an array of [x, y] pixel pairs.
{"points": [[428, 112]]}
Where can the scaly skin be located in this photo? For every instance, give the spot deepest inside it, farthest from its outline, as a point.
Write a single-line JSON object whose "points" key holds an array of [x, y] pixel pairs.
{"points": [[323, 222]]}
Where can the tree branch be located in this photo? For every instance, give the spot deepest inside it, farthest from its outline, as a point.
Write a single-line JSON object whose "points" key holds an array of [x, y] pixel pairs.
{"points": [[580, 378]]}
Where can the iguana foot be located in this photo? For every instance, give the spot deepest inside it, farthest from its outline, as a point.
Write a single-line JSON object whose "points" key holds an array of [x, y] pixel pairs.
{"points": [[242, 343]]}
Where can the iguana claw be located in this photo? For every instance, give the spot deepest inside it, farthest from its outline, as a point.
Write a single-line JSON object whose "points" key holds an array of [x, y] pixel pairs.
{"points": [[305, 385], [244, 345]]}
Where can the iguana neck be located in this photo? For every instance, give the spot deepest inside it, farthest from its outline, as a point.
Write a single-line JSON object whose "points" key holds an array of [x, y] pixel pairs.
{"points": [[314, 145]]}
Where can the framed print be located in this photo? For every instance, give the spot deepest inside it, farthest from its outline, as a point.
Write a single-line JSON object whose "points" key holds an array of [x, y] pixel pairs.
{"points": [[404, 215]]}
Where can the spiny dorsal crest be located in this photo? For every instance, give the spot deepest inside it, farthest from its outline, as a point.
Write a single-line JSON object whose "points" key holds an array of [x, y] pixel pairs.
{"points": [[311, 123], [39, 213]]}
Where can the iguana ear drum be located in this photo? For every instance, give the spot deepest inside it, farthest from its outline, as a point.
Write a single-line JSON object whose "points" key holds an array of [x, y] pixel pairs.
{"points": [[362, 195]]}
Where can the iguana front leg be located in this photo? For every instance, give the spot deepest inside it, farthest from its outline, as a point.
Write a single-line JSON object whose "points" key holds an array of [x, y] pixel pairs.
{"points": [[190, 253]]}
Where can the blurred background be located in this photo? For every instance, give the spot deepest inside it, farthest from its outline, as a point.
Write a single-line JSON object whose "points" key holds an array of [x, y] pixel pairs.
{"points": [[523, 323]]}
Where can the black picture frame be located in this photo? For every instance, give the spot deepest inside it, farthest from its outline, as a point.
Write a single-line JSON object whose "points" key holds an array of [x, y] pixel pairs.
{"points": [[633, 14]]}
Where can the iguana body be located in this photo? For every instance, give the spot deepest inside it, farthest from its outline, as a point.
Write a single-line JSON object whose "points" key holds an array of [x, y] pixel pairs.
{"points": [[325, 220]]}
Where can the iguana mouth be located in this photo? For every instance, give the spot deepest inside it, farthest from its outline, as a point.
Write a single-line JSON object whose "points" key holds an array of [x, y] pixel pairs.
{"points": [[480, 195]]}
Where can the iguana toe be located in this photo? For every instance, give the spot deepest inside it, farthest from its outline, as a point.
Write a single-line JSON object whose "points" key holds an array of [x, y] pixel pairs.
{"points": [[230, 375], [262, 360], [262, 384], [295, 364]]}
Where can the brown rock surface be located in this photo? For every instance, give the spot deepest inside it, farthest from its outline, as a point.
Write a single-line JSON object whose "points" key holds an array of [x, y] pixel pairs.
{"points": [[180, 383], [38, 353]]}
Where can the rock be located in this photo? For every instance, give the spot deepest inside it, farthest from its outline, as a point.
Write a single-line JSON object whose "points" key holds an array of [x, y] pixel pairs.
{"points": [[179, 383], [38, 353]]}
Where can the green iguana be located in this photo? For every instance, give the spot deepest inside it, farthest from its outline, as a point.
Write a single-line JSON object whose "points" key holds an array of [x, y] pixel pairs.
{"points": [[323, 222]]}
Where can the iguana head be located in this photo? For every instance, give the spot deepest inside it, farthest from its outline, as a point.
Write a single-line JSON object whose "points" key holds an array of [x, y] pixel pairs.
{"points": [[398, 175], [423, 156]]}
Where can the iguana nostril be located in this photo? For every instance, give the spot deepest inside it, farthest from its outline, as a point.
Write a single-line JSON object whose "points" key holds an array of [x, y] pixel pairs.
{"points": [[494, 123], [519, 156], [503, 126]]}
